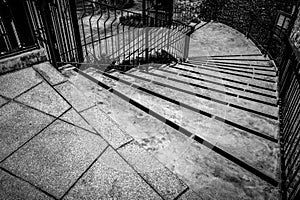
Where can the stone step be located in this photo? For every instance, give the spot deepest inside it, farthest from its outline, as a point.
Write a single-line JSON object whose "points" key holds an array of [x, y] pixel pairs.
{"points": [[165, 182], [173, 151]]}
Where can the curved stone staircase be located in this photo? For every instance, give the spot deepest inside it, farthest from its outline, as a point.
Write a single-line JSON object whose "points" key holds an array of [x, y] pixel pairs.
{"points": [[212, 120]]}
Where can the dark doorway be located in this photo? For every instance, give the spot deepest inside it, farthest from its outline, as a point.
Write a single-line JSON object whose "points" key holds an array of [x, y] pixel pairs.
{"points": [[16, 26]]}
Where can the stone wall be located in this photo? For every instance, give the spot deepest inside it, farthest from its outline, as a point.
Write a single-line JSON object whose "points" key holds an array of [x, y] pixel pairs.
{"points": [[22, 60]]}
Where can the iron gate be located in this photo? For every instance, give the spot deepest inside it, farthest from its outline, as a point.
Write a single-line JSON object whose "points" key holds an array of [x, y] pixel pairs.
{"points": [[76, 31]]}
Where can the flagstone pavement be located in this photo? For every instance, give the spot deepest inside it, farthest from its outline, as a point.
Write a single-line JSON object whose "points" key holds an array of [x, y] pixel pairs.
{"points": [[55, 143]]}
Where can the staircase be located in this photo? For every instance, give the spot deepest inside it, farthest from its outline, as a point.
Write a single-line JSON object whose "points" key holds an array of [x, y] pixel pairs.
{"points": [[216, 116]]}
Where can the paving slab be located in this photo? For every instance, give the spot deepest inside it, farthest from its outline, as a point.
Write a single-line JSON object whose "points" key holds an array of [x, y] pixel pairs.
{"points": [[18, 124], [106, 127], [13, 188], [2, 101], [258, 152], [111, 178], [219, 39], [157, 175], [73, 117], [13, 84], [190, 195], [76, 98], [46, 99], [49, 73], [56, 158]]}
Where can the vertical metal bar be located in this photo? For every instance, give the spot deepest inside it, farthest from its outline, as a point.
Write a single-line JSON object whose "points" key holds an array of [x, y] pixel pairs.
{"points": [[68, 31], [145, 23], [98, 31], [76, 31], [186, 47], [47, 21], [91, 34]]}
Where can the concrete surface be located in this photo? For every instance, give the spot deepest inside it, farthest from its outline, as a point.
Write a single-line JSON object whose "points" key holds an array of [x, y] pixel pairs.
{"points": [[50, 150], [163, 180], [208, 174], [14, 84], [67, 138], [74, 96], [112, 178], [2, 101], [18, 124], [13, 188], [74, 118], [22, 60], [56, 158], [44, 98], [49, 73], [106, 127]]}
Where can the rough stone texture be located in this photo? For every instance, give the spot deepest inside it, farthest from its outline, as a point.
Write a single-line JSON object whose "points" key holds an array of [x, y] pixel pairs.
{"points": [[13, 84], [190, 195], [106, 127], [261, 124], [212, 176], [49, 73], [45, 98], [259, 152], [111, 178], [77, 98], [86, 87], [73, 117], [56, 158], [18, 124], [2, 101], [22, 60], [210, 40], [13, 188], [156, 174]]}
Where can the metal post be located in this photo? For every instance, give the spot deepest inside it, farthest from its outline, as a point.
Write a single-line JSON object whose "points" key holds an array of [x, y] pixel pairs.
{"points": [[186, 46], [146, 29], [76, 30], [51, 40]]}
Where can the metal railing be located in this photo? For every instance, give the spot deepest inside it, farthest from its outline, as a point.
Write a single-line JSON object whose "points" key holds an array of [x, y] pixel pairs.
{"points": [[275, 43], [289, 94], [118, 35], [89, 31], [16, 28], [260, 29], [48, 24]]}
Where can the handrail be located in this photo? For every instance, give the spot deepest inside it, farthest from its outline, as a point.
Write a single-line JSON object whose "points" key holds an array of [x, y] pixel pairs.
{"points": [[281, 51], [119, 40]]}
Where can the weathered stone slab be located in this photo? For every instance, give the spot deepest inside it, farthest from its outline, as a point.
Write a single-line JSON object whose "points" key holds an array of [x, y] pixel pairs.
{"points": [[190, 195], [56, 158], [106, 127], [88, 88], [73, 117], [2, 101], [13, 84], [45, 98], [13, 188], [18, 124], [49, 73], [158, 176], [111, 178], [22, 60], [77, 99]]}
